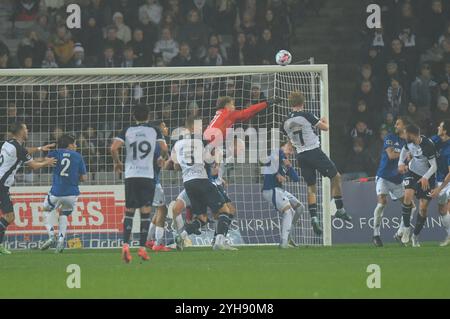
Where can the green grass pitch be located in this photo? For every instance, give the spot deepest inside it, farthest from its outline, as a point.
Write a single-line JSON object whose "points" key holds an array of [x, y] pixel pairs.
{"points": [[251, 272]]}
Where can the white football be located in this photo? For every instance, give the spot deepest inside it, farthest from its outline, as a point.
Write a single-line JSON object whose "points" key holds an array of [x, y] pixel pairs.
{"points": [[283, 57]]}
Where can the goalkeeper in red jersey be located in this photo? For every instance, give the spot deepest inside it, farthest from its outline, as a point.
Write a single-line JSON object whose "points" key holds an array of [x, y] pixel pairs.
{"points": [[227, 115]]}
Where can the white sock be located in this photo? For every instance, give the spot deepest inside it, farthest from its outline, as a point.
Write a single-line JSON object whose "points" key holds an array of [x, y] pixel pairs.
{"points": [[180, 224], [62, 228], [48, 224], [446, 223], [377, 216], [184, 235], [159, 234], [151, 232], [286, 225], [219, 239], [298, 211]]}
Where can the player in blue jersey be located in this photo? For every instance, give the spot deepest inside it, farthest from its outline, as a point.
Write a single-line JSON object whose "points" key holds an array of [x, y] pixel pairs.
{"points": [[275, 174], [442, 192], [155, 238], [69, 171], [389, 180]]}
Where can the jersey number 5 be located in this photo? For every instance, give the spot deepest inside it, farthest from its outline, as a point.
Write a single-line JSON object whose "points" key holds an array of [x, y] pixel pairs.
{"points": [[144, 147], [65, 162]]}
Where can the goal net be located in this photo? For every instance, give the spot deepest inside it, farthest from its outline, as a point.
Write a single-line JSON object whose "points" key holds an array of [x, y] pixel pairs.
{"points": [[94, 104]]}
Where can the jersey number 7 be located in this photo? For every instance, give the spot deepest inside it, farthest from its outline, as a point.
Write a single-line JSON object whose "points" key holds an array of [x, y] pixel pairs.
{"points": [[299, 135]]}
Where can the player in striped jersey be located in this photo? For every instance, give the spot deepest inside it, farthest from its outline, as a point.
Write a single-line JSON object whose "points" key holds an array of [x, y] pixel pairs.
{"points": [[300, 127], [13, 155], [187, 155], [140, 142], [419, 179], [442, 192]]}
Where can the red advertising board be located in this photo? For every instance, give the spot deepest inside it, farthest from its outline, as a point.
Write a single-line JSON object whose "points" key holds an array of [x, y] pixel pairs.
{"points": [[98, 210]]}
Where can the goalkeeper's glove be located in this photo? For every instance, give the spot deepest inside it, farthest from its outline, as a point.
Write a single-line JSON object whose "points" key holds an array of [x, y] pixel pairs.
{"points": [[274, 100]]}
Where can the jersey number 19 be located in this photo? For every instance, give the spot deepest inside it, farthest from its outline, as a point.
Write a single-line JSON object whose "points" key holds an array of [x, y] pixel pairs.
{"points": [[143, 147]]}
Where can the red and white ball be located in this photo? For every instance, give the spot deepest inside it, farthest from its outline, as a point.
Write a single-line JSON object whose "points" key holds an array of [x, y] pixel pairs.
{"points": [[283, 58]]}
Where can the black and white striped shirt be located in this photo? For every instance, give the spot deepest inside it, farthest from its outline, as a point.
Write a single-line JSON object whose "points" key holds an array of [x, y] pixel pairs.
{"points": [[12, 156]]}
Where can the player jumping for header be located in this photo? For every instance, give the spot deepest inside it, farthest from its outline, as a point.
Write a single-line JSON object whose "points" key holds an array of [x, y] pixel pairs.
{"points": [[300, 128]]}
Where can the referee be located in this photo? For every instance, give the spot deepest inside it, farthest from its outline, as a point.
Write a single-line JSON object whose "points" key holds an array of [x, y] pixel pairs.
{"points": [[12, 155]]}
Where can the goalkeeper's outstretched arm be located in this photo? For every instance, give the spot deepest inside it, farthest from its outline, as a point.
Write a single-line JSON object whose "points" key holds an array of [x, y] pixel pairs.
{"points": [[251, 111]]}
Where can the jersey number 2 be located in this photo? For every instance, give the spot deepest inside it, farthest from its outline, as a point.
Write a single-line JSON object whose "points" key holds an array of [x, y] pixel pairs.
{"points": [[65, 162]]}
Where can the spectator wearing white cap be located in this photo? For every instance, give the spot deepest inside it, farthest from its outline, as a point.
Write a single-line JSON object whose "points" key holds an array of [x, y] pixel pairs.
{"points": [[123, 31], [78, 57]]}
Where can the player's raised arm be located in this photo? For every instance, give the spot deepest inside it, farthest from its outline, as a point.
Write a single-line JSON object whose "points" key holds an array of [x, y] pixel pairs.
{"points": [[45, 148], [322, 124], [252, 110]]}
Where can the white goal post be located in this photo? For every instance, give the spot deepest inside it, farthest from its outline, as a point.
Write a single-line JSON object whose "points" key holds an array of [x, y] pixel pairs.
{"points": [[94, 104]]}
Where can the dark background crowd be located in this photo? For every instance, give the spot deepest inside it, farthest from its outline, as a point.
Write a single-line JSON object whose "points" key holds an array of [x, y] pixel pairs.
{"points": [[404, 71], [134, 33], [130, 33], [404, 67]]}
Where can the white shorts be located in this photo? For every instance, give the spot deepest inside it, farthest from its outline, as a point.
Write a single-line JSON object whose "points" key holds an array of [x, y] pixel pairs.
{"points": [[65, 203], [444, 195], [159, 199], [385, 187], [183, 196], [280, 198]]}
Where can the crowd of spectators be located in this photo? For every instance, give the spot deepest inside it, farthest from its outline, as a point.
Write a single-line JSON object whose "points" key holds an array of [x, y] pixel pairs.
{"points": [[125, 33], [405, 70], [133, 33]]}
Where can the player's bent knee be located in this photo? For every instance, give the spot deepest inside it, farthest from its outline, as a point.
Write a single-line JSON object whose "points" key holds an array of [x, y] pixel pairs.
{"points": [[382, 200], [232, 209], [178, 208]]}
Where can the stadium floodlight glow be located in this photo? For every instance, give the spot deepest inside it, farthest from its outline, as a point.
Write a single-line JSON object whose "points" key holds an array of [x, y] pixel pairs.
{"points": [[94, 103]]}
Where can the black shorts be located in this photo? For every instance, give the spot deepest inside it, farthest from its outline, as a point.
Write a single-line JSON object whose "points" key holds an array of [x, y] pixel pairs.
{"points": [[139, 192], [313, 160], [6, 204], [411, 181], [223, 193], [203, 194]]}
